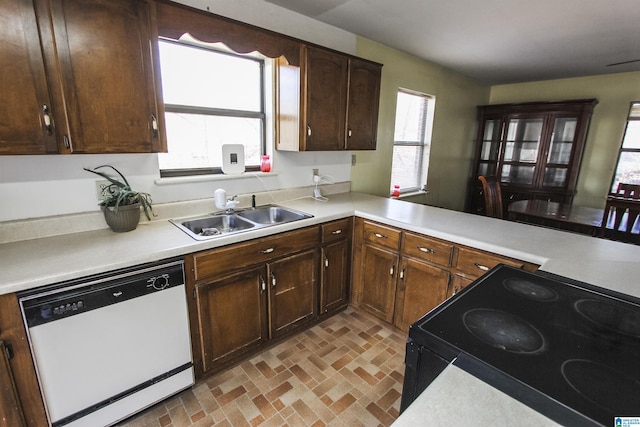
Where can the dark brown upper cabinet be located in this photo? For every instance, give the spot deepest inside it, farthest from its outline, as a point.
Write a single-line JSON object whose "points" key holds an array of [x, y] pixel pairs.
{"points": [[329, 103], [25, 111], [83, 79]]}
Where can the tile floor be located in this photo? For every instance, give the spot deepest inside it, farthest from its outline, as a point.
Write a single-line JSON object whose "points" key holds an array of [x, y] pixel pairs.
{"points": [[345, 371]]}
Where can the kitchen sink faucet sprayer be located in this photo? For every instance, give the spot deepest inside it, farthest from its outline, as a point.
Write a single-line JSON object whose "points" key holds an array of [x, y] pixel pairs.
{"points": [[222, 202]]}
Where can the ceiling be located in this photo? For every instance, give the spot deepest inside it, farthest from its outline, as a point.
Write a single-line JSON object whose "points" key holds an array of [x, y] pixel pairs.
{"points": [[496, 41]]}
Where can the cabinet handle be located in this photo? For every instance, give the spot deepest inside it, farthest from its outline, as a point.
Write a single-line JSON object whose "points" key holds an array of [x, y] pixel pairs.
{"points": [[46, 116], [392, 270], [380, 236], [273, 280], [267, 251], [426, 250], [349, 133], [402, 273], [67, 143], [456, 289], [263, 285], [154, 124], [326, 262], [336, 232], [308, 130], [481, 267]]}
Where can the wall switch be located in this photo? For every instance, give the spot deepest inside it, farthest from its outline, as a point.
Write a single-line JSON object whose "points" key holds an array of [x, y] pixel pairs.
{"points": [[315, 173], [353, 160]]}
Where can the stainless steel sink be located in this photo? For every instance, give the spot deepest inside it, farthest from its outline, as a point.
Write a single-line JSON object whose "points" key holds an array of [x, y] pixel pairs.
{"points": [[272, 215], [221, 224]]}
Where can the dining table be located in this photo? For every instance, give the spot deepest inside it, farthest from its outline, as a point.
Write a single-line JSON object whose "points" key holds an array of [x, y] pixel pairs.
{"points": [[564, 216]]}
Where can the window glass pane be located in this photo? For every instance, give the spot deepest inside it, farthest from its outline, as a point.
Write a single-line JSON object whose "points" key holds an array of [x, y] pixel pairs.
{"points": [[410, 114], [195, 141], [487, 169], [632, 135], [564, 130], [517, 174], [491, 141], [555, 177], [628, 170], [523, 138], [198, 77], [406, 166]]}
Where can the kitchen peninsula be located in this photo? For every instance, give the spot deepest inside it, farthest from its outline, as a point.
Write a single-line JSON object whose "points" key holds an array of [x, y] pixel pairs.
{"points": [[36, 262]]}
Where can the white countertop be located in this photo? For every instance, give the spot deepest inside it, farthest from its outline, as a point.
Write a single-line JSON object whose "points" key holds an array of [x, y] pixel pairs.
{"points": [[32, 263]]}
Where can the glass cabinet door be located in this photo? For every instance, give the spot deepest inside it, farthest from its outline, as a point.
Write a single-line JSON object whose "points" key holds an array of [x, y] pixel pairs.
{"points": [[560, 149], [521, 148], [490, 148]]}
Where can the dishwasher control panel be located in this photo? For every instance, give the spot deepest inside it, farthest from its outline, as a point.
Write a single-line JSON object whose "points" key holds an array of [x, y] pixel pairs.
{"points": [[49, 303]]}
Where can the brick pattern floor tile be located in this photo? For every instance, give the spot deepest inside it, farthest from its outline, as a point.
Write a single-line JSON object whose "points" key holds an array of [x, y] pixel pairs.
{"points": [[345, 371]]}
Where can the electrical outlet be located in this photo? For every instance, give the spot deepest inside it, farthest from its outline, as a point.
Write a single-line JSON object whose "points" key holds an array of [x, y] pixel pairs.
{"points": [[353, 160], [101, 189]]}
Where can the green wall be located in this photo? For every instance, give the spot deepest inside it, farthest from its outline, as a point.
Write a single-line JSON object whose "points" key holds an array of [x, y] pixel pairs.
{"points": [[614, 93], [454, 125]]}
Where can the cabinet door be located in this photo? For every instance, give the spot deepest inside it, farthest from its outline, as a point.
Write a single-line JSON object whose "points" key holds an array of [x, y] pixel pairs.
{"points": [[231, 316], [104, 49], [421, 287], [292, 292], [10, 408], [378, 274], [362, 107], [25, 123], [335, 276], [326, 100]]}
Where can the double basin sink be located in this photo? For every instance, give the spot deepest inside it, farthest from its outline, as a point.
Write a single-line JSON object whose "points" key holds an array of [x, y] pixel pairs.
{"points": [[223, 224]]}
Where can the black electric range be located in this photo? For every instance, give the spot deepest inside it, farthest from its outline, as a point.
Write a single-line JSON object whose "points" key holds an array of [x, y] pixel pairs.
{"points": [[567, 349]]}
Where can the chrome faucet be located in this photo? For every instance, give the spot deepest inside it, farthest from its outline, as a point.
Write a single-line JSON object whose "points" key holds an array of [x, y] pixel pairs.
{"points": [[222, 202]]}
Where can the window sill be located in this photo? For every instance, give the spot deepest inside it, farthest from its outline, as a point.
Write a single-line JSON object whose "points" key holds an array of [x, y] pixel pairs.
{"points": [[207, 178]]}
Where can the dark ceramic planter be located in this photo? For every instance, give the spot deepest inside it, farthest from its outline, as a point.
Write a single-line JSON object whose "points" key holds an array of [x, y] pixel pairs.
{"points": [[126, 218]]}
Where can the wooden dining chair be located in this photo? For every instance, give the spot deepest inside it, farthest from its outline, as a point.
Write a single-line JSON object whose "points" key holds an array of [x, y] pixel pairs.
{"points": [[492, 196], [627, 191], [620, 220]]}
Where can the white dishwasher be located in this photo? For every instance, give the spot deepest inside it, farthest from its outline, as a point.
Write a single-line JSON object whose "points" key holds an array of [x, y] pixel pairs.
{"points": [[110, 345]]}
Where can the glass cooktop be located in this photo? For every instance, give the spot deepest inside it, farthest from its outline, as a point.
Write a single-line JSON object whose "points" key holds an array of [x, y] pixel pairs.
{"points": [[572, 342]]}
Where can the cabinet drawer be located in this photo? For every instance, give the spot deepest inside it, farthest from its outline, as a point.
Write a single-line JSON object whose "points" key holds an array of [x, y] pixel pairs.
{"points": [[234, 257], [381, 235], [475, 263], [336, 230], [427, 249]]}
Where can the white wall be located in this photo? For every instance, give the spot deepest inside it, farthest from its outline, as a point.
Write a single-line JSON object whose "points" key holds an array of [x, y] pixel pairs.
{"points": [[39, 186]]}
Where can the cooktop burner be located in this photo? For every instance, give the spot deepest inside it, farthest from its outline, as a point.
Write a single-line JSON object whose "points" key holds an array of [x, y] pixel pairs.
{"points": [[603, 385], [530, 290], [503, 331], [574, 344], [615, 318]]}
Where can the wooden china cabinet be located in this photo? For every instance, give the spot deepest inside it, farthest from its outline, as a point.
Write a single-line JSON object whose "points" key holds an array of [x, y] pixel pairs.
{"points": [[534, 149]]}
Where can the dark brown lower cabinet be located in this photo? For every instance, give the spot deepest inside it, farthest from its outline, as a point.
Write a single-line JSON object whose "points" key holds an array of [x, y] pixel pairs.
{"points": [[292, 292], [335, 268], [378, 281], [421, 287], [20, 400], [247, 294], [232, 315]]}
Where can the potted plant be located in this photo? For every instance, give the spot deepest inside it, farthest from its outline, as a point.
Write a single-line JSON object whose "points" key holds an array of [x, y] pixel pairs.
{"points": [[121, 205]]}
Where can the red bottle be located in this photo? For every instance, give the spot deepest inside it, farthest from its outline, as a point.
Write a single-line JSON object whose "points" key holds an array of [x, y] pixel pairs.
{"points": [[396, 191], [265, 164]]}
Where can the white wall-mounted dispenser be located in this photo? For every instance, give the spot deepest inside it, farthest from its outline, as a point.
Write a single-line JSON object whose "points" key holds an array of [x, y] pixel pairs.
{"points": [[232, 159]]}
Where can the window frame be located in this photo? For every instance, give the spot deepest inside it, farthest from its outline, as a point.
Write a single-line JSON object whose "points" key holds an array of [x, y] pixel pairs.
{"points": [[632, 116], [220, 112], [426, 130]]}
